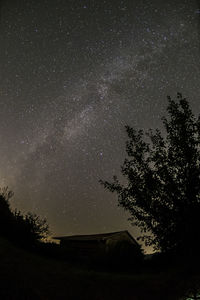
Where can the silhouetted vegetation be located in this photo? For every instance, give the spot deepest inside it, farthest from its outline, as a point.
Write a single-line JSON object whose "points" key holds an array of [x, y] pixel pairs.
{"points": [[163, 196], [24, 229], [162, 192]]}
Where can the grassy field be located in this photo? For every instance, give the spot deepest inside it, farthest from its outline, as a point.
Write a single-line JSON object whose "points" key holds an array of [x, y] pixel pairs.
{"points": [[25, 275]]}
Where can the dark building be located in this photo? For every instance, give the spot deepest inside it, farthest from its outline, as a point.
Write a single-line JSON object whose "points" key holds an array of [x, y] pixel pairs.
{"points": [[116, 245]]}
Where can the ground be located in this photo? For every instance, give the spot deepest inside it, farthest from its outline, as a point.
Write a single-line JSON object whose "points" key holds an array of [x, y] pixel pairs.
{"points": [[27, 275]]}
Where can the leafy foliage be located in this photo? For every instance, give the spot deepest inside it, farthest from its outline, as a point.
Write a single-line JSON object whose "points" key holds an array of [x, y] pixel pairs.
{"points": [[162, 190], [24, 229], [30, 227]]}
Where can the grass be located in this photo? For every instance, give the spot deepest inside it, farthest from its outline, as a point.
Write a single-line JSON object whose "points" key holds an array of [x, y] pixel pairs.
{"points": [[26, 275]]}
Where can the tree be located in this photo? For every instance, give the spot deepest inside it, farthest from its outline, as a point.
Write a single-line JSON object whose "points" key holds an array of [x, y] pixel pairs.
{"points": [[162, 171], [24, 229], [6, 215], [30, 228]]}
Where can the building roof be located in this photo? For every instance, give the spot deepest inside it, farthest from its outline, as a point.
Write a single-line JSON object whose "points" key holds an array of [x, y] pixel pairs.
{"points": [[99, 236]]}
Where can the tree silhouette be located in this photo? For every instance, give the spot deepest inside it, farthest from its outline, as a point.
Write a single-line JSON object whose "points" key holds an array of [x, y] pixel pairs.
{"points": [[162, 171], [6, 215], [24, 229], [30, 228]]}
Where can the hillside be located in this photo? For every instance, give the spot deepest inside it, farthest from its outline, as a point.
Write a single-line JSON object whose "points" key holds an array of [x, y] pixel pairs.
{"points": [[25, 275]]}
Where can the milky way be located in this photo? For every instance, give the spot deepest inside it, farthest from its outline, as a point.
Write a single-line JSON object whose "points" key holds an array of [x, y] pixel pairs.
{"points": [[73, 74]]}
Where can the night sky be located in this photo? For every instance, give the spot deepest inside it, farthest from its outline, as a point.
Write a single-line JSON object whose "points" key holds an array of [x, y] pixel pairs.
{"points": [[72, 74]]}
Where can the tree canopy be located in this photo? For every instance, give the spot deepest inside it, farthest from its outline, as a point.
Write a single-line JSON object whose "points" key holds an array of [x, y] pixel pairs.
{"points": [[162, 189], [25, 229]]}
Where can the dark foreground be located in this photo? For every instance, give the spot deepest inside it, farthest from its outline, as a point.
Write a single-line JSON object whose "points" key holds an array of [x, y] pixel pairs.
{"points": [[25, 275]]}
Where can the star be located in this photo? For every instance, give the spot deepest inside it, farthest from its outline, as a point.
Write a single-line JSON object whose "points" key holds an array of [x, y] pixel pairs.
{"points": [[74, 73]]}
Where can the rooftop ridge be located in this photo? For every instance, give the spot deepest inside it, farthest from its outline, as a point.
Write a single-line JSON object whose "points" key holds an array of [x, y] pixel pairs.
{"points": [[98, 236], [90, 235]]}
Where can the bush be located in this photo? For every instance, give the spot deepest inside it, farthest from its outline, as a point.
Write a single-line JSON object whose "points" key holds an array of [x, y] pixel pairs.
{"points": [[24, 229]]}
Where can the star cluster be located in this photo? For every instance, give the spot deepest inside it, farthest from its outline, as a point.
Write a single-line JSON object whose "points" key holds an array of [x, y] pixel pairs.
{"points": [[73, 73]]}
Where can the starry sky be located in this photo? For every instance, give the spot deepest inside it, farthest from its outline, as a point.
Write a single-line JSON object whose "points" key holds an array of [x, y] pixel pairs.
{"points": [[72, 75]]}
